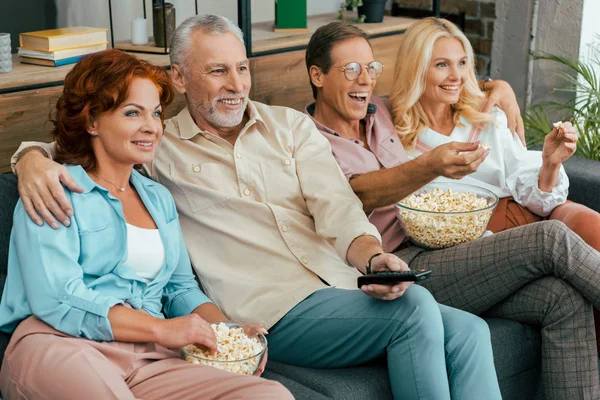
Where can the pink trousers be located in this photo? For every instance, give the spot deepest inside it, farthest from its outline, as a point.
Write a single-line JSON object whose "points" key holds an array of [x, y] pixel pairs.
{"points": [[42, 363]]}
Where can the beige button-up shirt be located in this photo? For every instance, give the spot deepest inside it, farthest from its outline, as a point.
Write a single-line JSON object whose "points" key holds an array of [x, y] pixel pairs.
{"points": [[266, 219]]}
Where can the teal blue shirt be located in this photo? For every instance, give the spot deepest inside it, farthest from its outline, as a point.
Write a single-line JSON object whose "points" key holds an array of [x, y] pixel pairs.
{"points": [[71, 277]]}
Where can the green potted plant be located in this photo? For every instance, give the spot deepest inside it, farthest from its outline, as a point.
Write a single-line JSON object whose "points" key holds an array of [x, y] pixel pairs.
{"points": [[368, 10], [350, 5], [583, 81], [373, 10]]}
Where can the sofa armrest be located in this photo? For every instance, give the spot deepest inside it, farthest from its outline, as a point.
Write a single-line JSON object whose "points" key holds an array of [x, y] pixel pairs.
{"points": [[584, 177]]}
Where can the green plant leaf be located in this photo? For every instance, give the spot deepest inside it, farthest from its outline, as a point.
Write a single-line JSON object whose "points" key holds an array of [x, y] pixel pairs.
{"points": [[582, 80]]}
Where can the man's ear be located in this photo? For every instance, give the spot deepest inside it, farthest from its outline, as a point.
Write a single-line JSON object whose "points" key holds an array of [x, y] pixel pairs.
{"points": [[178, 78], [316, 76]]}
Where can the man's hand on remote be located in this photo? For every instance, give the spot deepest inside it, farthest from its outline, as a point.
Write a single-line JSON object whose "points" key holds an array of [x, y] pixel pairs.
{"points": [[387, 262]]}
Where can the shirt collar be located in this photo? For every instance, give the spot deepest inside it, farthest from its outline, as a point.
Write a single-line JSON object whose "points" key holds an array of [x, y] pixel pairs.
{"points": [[310, 110], [88, 184], [188, 128]]}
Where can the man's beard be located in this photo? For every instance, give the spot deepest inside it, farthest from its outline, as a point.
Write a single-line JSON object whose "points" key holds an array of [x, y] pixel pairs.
{"points": [[219, 120]]}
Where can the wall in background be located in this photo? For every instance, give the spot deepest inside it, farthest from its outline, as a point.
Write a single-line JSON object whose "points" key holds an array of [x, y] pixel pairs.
{"points": [[480, 16], [558, 32], [18, 16], [590, 29], [505, 32]]}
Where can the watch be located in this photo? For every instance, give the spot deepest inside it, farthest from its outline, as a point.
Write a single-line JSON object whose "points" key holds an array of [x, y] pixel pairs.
{"points": [[485, 80], [368, 268]]}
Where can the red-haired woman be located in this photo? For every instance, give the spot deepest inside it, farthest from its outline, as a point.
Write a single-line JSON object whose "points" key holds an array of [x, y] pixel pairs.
{"points": [[86, 302]]}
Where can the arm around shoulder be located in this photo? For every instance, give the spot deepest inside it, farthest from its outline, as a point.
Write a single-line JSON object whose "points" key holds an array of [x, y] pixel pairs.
{"points": [[45, 149]]}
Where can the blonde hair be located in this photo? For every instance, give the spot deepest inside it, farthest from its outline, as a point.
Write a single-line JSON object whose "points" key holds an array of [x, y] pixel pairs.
{"points": [[412, 64]]}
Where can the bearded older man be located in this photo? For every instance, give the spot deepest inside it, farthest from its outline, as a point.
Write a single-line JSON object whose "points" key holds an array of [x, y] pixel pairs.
{"points": [[277, 236]]}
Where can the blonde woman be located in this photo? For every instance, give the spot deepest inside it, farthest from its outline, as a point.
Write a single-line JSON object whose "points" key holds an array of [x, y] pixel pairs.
{"points": [[441, 104], [435, 100]]}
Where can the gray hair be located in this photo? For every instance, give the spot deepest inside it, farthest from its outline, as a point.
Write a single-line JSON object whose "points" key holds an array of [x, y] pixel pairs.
{"points": [[182, 37]]}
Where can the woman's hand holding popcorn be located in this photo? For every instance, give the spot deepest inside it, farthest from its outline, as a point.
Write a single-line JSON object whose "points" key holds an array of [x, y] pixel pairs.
{"points": [[238, 352], [190, 329], [559, 144]]}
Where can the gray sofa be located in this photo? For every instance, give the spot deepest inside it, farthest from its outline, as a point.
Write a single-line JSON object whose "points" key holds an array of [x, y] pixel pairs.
{"points": [[516, 346]]}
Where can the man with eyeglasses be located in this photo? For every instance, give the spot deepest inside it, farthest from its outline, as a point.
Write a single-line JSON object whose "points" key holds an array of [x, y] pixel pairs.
{"points": [[359, 127]]}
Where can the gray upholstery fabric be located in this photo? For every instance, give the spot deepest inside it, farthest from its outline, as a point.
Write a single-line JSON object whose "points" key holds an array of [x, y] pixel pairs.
{"points": [[516, 355], [584, 177], [8, 200], [365, 382], [516, 346]]}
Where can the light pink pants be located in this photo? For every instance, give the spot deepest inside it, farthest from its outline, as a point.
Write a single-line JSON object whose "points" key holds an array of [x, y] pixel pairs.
{"points": [[42, 363]]}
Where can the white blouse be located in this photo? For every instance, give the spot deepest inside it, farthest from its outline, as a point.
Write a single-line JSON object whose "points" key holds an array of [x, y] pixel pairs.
{"points": [[145, 251], [509, 169]]}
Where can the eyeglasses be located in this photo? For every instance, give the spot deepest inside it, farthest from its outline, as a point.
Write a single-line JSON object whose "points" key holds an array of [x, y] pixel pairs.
{"points": [[353, 70]]}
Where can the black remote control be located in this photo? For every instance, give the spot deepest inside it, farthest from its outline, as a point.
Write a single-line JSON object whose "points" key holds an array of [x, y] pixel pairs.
{"points": [[393, 277]]}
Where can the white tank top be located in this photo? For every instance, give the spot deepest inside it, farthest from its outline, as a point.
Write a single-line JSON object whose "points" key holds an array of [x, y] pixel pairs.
{"points": [[145, 251]]}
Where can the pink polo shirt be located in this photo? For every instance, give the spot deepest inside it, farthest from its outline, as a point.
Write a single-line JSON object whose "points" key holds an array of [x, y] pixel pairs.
{"points": [[386, 151]]}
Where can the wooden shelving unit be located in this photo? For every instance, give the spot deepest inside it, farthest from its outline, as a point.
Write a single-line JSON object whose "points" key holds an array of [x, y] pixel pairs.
{"points": [[29, 92]]}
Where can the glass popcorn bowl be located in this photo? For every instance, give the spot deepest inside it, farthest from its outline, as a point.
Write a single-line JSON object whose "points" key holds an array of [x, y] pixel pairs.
{"points": [[441, 229], [243, 358]]}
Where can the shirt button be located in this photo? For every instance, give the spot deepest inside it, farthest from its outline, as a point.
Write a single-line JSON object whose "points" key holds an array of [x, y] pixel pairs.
{"points": [[196, 168], [247, 192], [238, 155], [304, 260], [287, 162], [284, 228]]}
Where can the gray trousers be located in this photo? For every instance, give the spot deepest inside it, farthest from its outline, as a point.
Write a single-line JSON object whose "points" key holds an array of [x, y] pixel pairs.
{"points": [[541, 274]]}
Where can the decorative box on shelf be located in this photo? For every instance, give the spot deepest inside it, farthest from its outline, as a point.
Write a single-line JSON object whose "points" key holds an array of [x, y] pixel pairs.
{"points": [[290, 15]]}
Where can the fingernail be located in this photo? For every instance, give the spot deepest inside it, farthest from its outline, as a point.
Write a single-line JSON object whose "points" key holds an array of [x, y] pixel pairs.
{"points": [[67, 222], [264, 331], [395, 265], [369, 288], [70, 213], [395, 290], [54, 225]]}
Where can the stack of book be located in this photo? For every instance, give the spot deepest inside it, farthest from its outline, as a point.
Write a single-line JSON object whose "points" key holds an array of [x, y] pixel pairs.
{"points": [[56, 47]]}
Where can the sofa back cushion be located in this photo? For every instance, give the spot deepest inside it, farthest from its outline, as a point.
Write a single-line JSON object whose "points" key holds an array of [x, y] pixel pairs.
{"points": [[8, 199]]}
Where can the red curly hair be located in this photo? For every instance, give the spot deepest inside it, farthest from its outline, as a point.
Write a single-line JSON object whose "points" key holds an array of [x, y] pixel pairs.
{"points": [[98, 83]]}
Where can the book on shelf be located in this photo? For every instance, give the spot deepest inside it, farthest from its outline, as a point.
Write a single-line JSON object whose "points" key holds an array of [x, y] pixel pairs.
{"points": [[62, 54], [50, 63], [62, 38]]}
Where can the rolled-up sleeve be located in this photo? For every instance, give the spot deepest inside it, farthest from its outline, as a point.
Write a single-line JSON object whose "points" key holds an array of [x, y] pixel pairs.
{"points": [[522, 170], [338, 213], [47, 147], [182, 294], [53, 279]]}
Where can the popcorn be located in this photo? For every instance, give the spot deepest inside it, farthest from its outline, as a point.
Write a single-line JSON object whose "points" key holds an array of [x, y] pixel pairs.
{"points": [[484, 146], [233, 345], [557, 125], [438, 231]]}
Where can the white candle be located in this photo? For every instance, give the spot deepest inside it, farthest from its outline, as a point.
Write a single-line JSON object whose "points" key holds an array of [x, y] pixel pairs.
{"points": [[139, 31]]}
